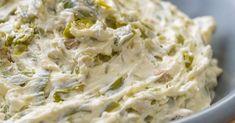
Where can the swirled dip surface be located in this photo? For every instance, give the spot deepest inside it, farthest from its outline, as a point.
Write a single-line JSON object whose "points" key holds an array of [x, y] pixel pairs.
{"points": [[114, 61]]}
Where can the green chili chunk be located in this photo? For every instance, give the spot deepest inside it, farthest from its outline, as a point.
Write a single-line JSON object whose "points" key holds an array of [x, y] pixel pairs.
{"points": [[57, 95], [180, 39], [67, 33], [102, 4], [188, 59], [117, 84], [112, 106]]}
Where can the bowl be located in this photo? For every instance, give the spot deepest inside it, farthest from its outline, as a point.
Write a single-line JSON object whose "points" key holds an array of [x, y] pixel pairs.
{"points": [[222, 109]]}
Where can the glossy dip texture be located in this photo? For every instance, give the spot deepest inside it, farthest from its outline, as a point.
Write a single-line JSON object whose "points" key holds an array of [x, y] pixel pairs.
{"points": [[97, 61]]}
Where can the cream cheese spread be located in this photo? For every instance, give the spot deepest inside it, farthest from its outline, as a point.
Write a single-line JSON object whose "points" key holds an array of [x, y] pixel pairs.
{"points": [[103, 61]]}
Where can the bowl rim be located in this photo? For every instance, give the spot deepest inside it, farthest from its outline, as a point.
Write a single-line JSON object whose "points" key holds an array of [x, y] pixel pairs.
{"points": [[220, 111]]}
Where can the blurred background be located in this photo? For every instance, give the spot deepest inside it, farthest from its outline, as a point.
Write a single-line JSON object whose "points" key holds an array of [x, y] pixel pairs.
{"points": [[223, 45]]}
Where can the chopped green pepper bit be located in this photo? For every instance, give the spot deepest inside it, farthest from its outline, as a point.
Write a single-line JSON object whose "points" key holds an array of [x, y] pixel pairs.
{"points": [[79, 87], [162, 37], [84, 14], [9, 40], [180, 39], [67, 33], [111, 106], [24, 39], [19, 49], [117, 84], [148, 119], [80, 24], [2, 34], [142, 30], [103, 4], [57, 97], [28, 19], [20, 42], [84, 23], [103, 58], [68, 4], [5, 59], [159, 58], [76, 70], [112, 22], [172, 51], [131, 110], [188, 59], [3, 52]]}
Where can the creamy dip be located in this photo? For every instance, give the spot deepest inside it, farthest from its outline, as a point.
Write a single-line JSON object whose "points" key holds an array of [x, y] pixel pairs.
{"points": [[97, 61]]}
